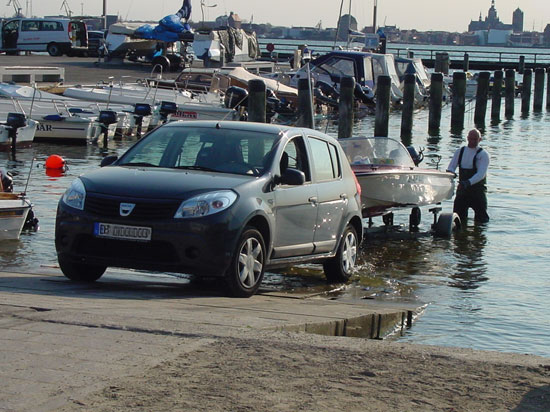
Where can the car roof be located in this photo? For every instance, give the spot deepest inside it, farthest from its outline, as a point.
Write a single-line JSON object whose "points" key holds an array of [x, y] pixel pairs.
{"points": [[248, 126]]}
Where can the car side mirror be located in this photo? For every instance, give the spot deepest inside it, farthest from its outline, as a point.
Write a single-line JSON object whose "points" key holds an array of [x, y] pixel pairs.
{"points": [[293, 177], [108, 160]]}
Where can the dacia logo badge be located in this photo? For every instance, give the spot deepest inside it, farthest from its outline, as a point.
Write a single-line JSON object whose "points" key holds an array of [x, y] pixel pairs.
{"points": [[126, 208]]}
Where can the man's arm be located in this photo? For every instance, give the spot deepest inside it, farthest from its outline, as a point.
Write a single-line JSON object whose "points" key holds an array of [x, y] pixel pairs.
{"points": [[453, 163], [482, 164]]}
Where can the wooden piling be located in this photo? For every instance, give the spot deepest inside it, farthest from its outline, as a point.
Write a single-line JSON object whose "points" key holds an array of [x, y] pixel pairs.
{"points": [[256, 101], [408, 105], [305, 104], [510, 93], [466, 63], [539, 90], [442, 62], [383, 95], [481, 99], [526, 91], [521, 65], [548, 88], [410, 54], [458, 102], [436, 100], [496, 95], [345, 107]]}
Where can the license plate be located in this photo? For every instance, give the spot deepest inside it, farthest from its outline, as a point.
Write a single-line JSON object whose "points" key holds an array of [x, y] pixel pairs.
{"points": [[124, 232]]}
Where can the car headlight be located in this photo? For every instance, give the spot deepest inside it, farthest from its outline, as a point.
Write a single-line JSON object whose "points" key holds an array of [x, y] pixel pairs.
{"points": [[75, 195], [206, 204]]}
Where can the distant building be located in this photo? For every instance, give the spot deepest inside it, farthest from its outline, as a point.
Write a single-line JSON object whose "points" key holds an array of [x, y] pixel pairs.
{"points": [[491, 21], [517, 21], [346, 23]]}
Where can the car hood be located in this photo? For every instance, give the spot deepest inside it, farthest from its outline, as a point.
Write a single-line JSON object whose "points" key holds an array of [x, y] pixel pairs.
{"points": [[157, 183]]}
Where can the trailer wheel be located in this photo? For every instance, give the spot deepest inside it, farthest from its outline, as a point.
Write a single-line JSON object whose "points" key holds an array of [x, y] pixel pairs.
{"points": [[163, 62], [446, 224]]}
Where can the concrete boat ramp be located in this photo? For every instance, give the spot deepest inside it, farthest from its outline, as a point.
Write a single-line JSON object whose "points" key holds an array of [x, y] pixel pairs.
{"points": [[60, 340]]}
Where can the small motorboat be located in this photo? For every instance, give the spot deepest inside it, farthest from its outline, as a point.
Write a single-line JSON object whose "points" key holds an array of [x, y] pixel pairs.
{"points": [[390, 178], [14, 211]]}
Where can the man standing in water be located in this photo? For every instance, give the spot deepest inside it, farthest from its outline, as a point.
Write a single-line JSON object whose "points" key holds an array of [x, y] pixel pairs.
{"points": [[472, 162]]}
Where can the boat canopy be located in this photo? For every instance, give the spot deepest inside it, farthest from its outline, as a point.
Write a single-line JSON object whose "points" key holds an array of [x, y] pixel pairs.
{"points": [[376, 151]]}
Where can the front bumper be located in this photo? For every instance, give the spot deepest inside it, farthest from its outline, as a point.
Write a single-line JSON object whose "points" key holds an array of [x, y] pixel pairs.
{"points": [[201, 246]]}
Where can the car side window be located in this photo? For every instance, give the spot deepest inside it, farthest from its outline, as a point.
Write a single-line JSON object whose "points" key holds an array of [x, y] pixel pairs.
{"points": [[325, 159], [297, 156], [29, 25]]}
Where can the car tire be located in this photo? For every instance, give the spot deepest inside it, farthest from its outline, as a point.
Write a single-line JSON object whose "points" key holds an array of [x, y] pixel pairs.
{"points": [[245, 274], [80, 272], [340, 267], [54, 49]]}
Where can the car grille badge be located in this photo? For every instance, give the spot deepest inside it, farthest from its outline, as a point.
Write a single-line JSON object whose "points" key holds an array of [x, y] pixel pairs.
{"points": [[126, 208]]}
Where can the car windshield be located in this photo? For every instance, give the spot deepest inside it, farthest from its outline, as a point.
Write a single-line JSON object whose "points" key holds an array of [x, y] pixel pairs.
{"points": [[203, 148]]}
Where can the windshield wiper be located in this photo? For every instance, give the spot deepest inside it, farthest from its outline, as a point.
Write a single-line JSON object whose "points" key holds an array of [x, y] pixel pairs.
{"points": [[139, 164], [206, 169]]}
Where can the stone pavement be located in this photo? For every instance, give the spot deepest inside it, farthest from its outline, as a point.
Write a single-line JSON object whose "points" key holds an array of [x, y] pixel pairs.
{"points": [[61, 340]]}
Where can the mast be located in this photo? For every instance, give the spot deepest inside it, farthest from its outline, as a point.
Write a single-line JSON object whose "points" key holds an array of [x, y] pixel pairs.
{"points": [[374, 16]]}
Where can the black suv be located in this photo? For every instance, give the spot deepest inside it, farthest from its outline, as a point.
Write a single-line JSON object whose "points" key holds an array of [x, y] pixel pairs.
{"points": [[226, 199]]}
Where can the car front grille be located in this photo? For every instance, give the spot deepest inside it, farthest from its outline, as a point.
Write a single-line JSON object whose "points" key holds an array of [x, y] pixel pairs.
{"points": [[144, 209], [138, 252]]}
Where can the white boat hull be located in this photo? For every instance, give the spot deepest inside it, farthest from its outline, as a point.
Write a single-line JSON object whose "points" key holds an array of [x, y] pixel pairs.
{"points": [[13, 214], [25, 136], [393, 188]]}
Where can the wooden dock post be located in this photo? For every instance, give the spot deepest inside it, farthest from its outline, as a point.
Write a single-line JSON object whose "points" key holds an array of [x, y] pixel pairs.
{"points": [[442, 62], [410, 54], [466, 63], [539, 90], [510, 93], [548, 88], [345, 107], [305, 104], [436, 100], [526, 91], [256, 101], [521, 65], [458, 102], [497, 95], [408, 105], [481, 98], [383, 96]]}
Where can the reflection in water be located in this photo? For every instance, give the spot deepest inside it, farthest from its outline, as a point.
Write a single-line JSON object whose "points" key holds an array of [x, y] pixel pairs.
{"points": [[471, 268]]}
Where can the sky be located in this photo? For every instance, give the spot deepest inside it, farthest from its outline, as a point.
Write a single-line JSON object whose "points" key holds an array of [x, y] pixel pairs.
{"points": [[406, 14]]}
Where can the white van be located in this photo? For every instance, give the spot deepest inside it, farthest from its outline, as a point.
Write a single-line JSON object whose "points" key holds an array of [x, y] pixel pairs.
{"points": [[56, 36]]}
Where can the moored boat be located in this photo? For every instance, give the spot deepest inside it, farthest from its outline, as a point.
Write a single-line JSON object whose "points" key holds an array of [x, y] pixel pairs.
{"points": [[389, 177], [14, 210]]}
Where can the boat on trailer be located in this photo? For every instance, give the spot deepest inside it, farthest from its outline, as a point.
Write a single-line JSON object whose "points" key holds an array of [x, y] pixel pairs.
{"points": [[391, 179]]}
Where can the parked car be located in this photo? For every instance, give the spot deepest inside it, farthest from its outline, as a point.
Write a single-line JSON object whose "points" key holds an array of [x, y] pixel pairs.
{"points": [[227, 199], [54, 35]]}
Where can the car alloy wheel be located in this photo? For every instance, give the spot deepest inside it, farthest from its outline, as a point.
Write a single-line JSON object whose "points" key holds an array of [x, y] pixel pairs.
{"points": [[247, 268], [340, 267]]}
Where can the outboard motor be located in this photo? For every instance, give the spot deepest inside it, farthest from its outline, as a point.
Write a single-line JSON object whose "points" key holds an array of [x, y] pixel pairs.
{"points": [[417, 157], [140, 111], [235, 97], [15, 121], [364, 94], [105, 119], [166, 109], [321, 97]]}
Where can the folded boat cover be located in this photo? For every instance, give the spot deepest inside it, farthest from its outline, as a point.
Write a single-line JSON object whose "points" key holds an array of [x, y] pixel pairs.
{"points": [[170, 29]]}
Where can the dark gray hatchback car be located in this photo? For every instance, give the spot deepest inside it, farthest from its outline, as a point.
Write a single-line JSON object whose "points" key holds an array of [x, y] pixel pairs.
{"points": [[227, 199]]}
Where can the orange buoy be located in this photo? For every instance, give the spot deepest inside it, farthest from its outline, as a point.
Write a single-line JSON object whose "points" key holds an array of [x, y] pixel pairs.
{"points": [[55, 162]]}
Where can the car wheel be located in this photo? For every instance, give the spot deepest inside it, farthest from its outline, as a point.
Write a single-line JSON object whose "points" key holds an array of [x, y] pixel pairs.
{"points": [[80, 272], [246, 272], [340, 267], [53, 49]]}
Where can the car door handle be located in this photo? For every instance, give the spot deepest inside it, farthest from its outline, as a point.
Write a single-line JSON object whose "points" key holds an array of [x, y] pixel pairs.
{"points": [[313, 199]]}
